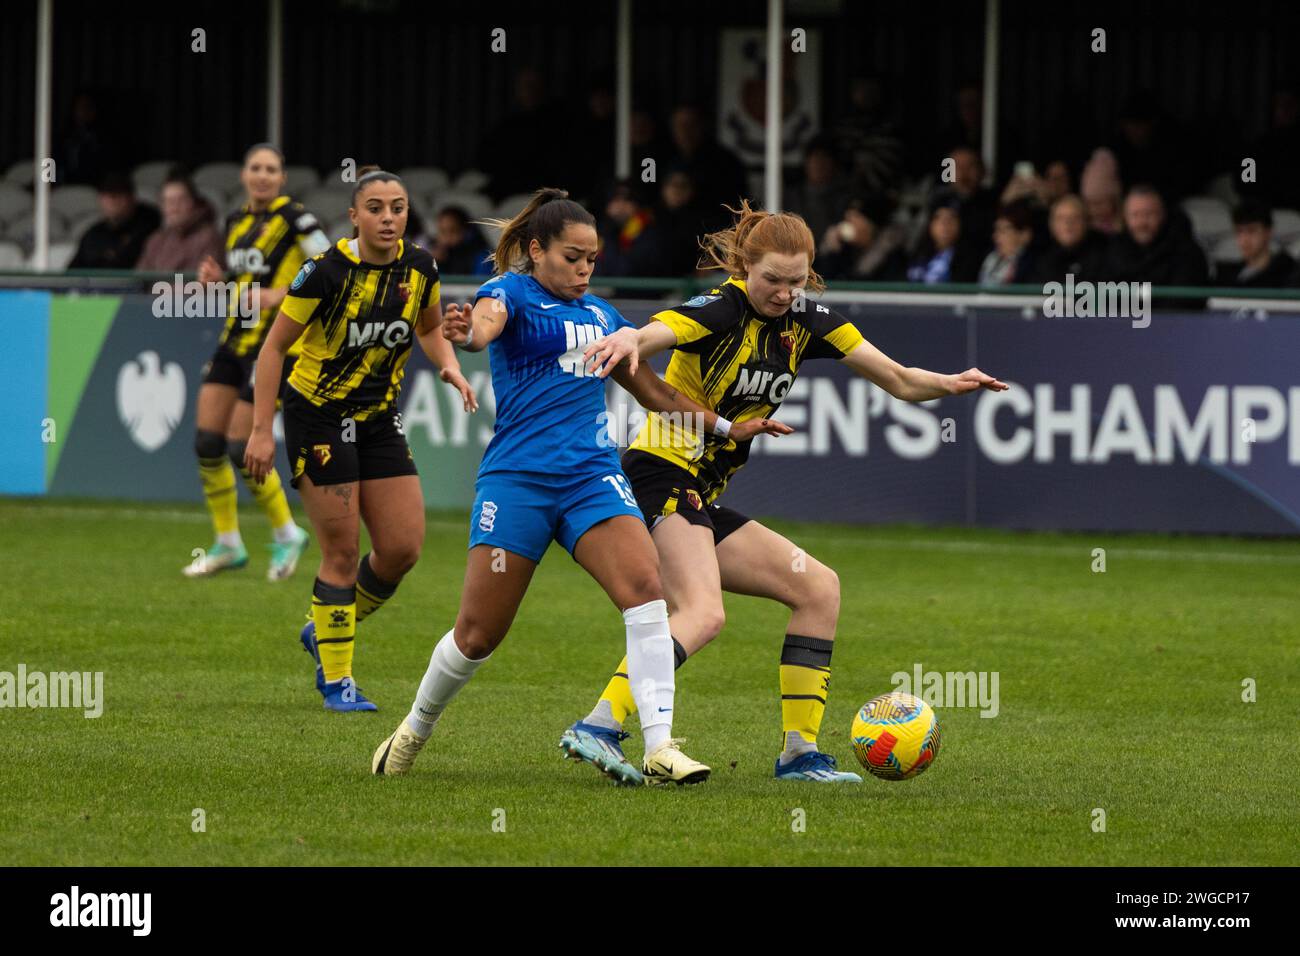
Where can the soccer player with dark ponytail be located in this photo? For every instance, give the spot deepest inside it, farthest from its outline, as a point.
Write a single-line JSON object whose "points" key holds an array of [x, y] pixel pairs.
{"points": [[551, 473], [355, 309]]}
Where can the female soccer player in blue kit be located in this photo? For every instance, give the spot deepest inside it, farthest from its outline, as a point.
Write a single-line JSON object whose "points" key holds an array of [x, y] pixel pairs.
{"points": [[551, 473]]}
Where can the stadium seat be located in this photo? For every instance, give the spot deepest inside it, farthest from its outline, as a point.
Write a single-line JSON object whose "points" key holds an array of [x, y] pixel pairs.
{"points": [[14, 202], [61, 254], [327, 204], [73, 201], [20, 173], [148, 177], [301, 179], [1286, 225], [220, 200], [471, 180], [424, 180], [511, 205], [1226, 249], [224, 176], [1294, 249], [77, 227], [11, 256], [475, 204], [23, 230], [1224, 188], [1210, 218]]}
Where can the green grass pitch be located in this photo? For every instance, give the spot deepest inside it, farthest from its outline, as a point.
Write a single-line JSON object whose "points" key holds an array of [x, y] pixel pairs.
{"points": [[1119, 690]]}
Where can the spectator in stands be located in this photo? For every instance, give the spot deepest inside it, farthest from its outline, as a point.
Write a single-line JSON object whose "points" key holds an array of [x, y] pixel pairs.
{"points": [[460, 248], [680, 216], [1261, 267], [1042, 190], [188, 234], [116, 241], [1010, 261], [632, 243], [864, 246], [824, 193], [1074, 249], [1150, 249], [1100, 188], [717, 171], [867, 139], [942, 257], [976, 205]]}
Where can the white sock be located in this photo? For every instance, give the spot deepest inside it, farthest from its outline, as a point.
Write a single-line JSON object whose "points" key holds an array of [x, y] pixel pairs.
{"points": [[449, 671], [650, 670], [231, 539], [796, 745], [287, 533]]}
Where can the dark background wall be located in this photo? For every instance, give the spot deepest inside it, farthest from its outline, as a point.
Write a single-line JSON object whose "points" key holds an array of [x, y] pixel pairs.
{"points": [[403, 82]]}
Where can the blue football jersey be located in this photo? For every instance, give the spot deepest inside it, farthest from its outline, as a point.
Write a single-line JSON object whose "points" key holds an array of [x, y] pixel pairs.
{"points": [[550, 411]]}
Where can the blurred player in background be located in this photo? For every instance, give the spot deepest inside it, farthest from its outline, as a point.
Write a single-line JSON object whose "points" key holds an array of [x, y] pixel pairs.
{"points": [[737, 351], [267, 241], [355, 310], [551, 473]]}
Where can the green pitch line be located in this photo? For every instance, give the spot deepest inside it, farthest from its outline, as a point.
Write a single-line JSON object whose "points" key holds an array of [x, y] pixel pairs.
{"points": [[1119, 691]]}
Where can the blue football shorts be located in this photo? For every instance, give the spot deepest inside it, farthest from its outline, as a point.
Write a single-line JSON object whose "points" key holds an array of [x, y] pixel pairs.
{"points": [[524, 512]]}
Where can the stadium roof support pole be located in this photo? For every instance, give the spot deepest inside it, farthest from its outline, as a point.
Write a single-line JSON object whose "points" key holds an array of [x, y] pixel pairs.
{"points": [[40, 183], [623, 92], [274, 73], [992, 52], [772, 153]]}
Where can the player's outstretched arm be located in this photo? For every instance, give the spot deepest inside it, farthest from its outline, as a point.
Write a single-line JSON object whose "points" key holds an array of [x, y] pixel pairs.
{"points": [[656, 395], [259, 456], [443, 355], [474, 327], [605, 354], [915, 384]]}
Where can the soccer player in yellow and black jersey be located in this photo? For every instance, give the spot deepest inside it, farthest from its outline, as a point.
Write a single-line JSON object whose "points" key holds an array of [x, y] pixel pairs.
{"points": [[737, 351], [355, 310], [267, 241]]}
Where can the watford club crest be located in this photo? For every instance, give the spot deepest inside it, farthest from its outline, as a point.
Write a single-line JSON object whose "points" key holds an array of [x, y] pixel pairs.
{"points": [[788, 340], [693, 497], [322, 453], [404, 290]]}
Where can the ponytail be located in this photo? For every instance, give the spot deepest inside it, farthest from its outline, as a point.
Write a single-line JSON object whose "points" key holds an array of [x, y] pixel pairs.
{"points": [[544, 218]]}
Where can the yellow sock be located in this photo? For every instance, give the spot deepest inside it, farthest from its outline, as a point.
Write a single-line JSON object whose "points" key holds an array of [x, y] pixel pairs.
{"points": [[372, 591], [618, 692], [219, 490], [805, 677], [335, 612], [269, 493]]}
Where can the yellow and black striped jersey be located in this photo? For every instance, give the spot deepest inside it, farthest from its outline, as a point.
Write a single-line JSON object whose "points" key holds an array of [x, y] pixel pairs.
{"points": [[739, 363], [360, 321], [267, 247]]}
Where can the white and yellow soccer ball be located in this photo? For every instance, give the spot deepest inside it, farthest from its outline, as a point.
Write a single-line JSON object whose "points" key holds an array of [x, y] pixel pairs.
{"points": [[896, 736]]}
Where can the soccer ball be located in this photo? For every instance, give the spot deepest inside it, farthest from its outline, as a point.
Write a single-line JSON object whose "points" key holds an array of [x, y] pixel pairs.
{"points": [[896, 736]]}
